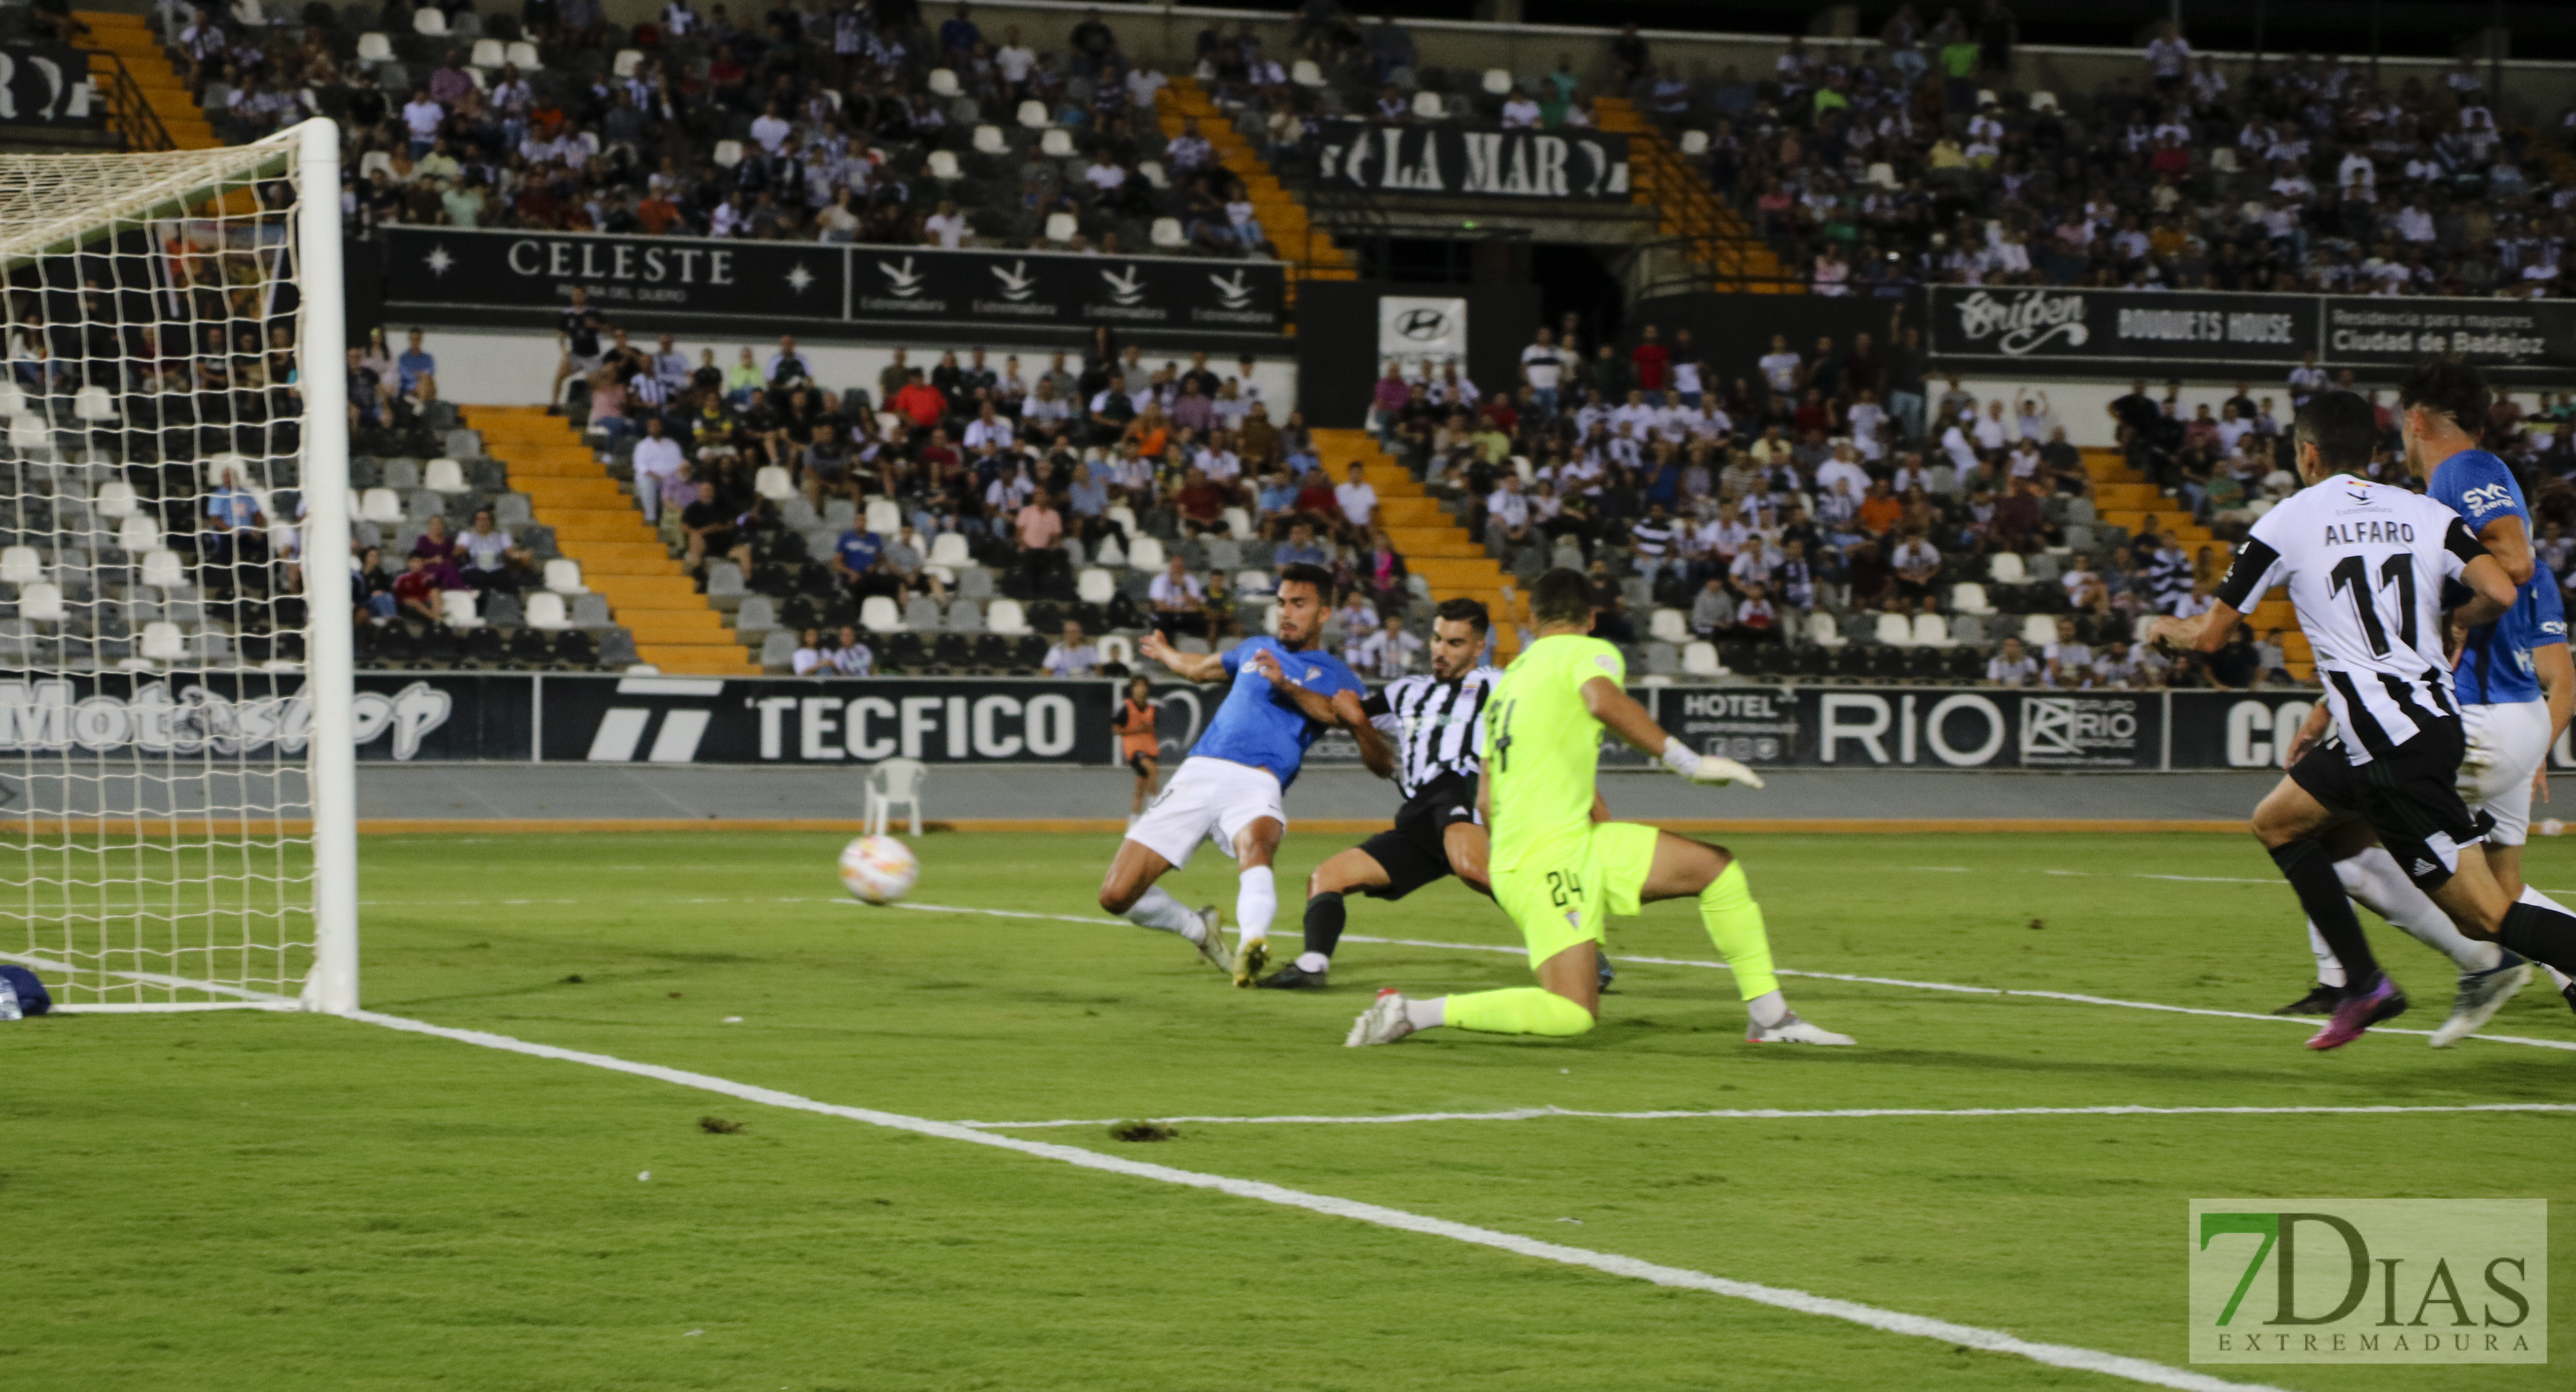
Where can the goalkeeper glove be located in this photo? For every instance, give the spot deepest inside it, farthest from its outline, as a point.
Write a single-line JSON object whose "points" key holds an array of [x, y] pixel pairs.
{"points": [[1706, 768]]}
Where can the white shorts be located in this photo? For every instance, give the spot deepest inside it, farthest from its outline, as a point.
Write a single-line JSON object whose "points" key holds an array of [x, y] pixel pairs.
{"points": [[1208, 800], [2514, 738]]}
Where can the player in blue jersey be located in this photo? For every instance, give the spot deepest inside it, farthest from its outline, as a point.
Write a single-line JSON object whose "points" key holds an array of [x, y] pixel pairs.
{"points": [[2516, 688], [1284, 695]]}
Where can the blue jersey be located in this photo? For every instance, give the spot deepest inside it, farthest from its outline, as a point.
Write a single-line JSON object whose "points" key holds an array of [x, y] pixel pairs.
{"points": [[2495, 666], [1261, 726]]}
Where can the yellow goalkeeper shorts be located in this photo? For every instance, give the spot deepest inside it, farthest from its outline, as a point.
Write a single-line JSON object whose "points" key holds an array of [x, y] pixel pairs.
{"points": [[1561, 894]]}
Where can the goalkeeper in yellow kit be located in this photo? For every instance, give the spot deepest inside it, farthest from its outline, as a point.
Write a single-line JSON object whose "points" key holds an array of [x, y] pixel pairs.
{"points": [[1560, 867]]}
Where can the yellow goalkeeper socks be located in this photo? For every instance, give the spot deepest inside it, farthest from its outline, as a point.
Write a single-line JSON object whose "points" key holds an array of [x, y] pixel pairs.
{"points": [[1520, 1010], [1734, 923]]}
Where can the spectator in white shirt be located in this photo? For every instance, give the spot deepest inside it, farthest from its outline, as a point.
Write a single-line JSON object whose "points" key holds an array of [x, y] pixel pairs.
{"points": [[1780, 366], [1072, 656], [810, 656], [989, 432], [946, 228], [1176, 596], [1992, 432], [771, 129], [1389, 652], [2069, 663], [1843, 467], [1358, 501], [657, 460], [1519, 112], [853, 658], [2012, 666]]}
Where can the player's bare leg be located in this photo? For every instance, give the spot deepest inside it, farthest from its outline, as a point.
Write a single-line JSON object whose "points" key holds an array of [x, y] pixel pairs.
{"points": [[1146, 776], [1256, 896], [1470, 853], [1566, 1002], [1129, 890], [1687, 869]]}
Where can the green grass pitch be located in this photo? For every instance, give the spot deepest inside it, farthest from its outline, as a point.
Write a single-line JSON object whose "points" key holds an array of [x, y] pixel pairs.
{"points": [[268, 1202]]}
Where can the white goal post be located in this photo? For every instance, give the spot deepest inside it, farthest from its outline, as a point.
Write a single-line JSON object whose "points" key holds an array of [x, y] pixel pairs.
{"points": [[178, 797]]}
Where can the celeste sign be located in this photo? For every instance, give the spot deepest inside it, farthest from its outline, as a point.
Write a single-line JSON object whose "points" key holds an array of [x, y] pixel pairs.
{"points": [[683, 278]]}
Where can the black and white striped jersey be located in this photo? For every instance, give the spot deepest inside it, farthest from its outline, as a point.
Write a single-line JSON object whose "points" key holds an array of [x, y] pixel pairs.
{"points": [[2364, 563], [1436, 726]]}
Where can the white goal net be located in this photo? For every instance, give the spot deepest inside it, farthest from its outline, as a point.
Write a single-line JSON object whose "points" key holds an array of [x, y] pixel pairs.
{"points": [[176, 806]]}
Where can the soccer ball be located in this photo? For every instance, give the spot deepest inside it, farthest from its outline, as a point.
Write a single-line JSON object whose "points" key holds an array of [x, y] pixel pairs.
{"points": [[879, 869]]}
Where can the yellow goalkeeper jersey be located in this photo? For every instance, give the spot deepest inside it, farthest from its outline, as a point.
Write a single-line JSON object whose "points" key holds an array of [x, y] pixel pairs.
{"points": [[1542, 748]]}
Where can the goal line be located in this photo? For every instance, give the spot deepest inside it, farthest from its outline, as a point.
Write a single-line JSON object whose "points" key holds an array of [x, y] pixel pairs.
{"points": [[1775, 1114]]}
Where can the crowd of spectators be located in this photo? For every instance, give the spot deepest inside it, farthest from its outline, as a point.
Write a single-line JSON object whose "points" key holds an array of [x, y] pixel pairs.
{"points": [[1915, 160], [836, 120]]}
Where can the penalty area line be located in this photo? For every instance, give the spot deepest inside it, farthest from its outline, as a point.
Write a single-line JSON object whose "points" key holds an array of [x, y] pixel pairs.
{"points": [[2071, 997], [1898, 1322], [1777, 1114]]}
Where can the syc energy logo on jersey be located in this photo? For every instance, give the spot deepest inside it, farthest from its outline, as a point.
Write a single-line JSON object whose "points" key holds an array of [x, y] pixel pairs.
{"points": [[2391, 1282], [2481, 501]]}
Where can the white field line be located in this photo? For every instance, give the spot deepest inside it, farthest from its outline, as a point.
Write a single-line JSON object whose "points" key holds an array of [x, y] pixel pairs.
{"points": [[2114, 1365], [264, 1000], [1775, 1114], [2068, 996]]}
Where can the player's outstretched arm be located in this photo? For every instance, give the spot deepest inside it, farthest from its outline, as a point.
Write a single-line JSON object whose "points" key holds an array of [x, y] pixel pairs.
{"points": [[1197, 667], [2495, 592], [1375, 752], [1618, 711]]}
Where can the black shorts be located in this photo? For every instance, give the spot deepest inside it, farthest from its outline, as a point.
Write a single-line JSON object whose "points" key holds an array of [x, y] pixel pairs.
{"points": [[1416, 852], [2411, 797], [1136, 763]]}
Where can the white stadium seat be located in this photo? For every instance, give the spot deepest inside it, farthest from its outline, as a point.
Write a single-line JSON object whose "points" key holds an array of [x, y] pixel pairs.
{"points": [[375, 48], [563, 577], [943, 82], [884, 518], [1033, 115], [117, 500], [456, 609], [162, 570], [41, 602], [1895, 630], [489, 53], [1057, 143], [2005, 568], [1670, 626], [877, 614], [1700, 660], [949, 549], [138, 534], [773, 483], [2037, 631], [1969, 597], [444, 476], [1145, 553], [162, 640], [1822, 631], [1498, 82], [523, 56], [943, 165], [1007, 618], [544, 609], [1061, 227], [380, 505], [1931, 631], [989, 141], [1095, 586], [20, 565]]}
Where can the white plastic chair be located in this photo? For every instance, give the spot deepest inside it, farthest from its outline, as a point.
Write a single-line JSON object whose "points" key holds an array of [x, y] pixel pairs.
{"points": [[375, 162], [1061, 227], [375, 48], [1095, 586], [93, 405], [943, 165], [429, 20], [563, 577], [1969, 597], [943, 82], [380, 505], [1033, 115], [1931, 631], [138, 534], [1007, 618], [773, 483], [29, 433], [1699, 659], [1694, 142], [1111, 554], [1670, 626], [728, 153], [162, 570], [949, 549], [162, 640], [628, 60], [544, 610], [456, 609], [2005, 568], [41, 602], [1306, 72], [1145, 553], [492, 53], [1154, 173], [2037, 631], [1123, 515], [895, 781], [1238, 524], [1254, 582], [1823, 632], [988, 140], [1426, 106], [117, 500], [1057, 143], [884, 518], [444, 476], [13, 400], [1895, 630], [523, 56], [1498, 82], [20, 565], [877, 614]]}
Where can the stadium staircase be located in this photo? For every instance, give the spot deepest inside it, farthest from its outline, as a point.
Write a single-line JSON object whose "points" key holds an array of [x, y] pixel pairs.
{"points": [[2125, 497], [1434, 545], [130, 38], [1308, 253], [622, 558], [1710, 231]]}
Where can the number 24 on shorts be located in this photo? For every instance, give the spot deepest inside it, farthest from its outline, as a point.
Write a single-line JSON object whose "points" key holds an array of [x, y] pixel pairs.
{"points": [[1563, 888]]}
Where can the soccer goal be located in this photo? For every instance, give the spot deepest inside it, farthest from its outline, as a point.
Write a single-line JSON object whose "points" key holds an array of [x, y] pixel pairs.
{"points": [[177, 793]]}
